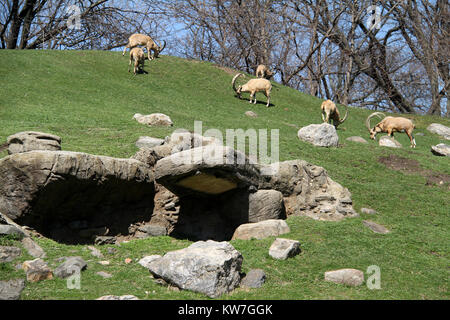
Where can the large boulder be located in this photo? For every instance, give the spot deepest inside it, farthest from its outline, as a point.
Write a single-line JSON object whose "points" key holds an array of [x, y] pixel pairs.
{"points": [[11, 290], [439, 129], [31, 140], [212, 268], [386, 141], [308, 191], [320, 135], [48, 190]]}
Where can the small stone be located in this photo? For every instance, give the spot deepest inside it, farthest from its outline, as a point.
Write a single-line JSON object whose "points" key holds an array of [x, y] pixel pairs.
{"points": [[254, 279], [148, 142], [125, 297], [103, 274], [153, 230], [357, 139], [442, 150], [128, 260], [368, 211], [104, 263], [282, 249], [37, 270], [95, 252], [101, 240], [375, 227], [251, 114], [350, 277], [111, 250], [386, 141], [261, 230]]}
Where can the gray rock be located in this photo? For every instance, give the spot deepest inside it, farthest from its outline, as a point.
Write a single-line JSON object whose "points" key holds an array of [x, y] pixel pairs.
{"points": [[148, 142], [265, 204], [357, 139], [103, 274], [33, 248], [70, 266], [210, 170], [210, 267], [145, 261], [320, 135], [153, 230], [58, 186], [31, 140], [282, 249], [125, 297], [255, 278], [101, 240], [386, 141], [154, 119], [11, 230], [261, 230], [95, 252], [441, 149], [8, 254], [37, 270], [375, 227], [11, 290], [440, 129], [251, 114], [368, 211], [350, 277]]}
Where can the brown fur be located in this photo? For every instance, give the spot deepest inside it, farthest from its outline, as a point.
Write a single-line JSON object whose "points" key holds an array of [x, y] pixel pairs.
{"points": [[138, 39], [137, 55], [263, 72], [253, 86], [391, 125], [331, 112]]}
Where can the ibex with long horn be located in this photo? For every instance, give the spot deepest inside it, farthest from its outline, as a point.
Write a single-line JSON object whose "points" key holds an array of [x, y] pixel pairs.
{"points": [[138, 39], [253, 86], [390, 125], [331, 112]]}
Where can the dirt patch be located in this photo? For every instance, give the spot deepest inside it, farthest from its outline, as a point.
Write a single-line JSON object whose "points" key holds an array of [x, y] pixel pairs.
{"points": [[410, 166]]}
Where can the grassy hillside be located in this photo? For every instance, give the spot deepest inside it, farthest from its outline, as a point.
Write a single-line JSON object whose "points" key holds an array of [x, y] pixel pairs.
{"points": [[88, 98]]}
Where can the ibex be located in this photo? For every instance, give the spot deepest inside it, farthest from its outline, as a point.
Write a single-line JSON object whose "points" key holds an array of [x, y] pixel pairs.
{"points": [[263, 72], [391, 125], [331, 112], [253, 86], [138, 39], [137, 55]]}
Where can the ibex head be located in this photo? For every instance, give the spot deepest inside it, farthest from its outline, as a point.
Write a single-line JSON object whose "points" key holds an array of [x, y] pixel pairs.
{"points": [[239, 88], [377, 129]]}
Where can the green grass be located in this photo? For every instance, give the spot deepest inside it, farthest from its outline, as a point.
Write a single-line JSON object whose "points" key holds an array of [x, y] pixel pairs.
{"points": [[88, 98]]}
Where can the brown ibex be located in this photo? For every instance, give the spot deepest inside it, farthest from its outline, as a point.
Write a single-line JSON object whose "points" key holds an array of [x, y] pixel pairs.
{"points": [[137, 55], [253, 86], [390, 125], [138, 39], [263, 72], [331, 112]]}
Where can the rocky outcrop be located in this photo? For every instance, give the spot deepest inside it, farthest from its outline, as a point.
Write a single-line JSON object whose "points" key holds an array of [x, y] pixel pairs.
{"points": [[72, 196], [212, 268], [442, 150], [31, 140], [308, 191]]}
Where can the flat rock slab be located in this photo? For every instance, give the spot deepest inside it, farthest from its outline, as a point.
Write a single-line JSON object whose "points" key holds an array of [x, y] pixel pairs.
{"points": [[386, 141], [375, 227], [148, 142], [33, 248], [8, 254], [59, 187], [281, 249], [442, 150], [31, 140], [350, 277], [212, 268], [69, 267], [261, 230], [154, 119], [145, 261], [209, 170], [125, 297], [6, 230], [320, 135], [11, 290], [439, 129]]}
